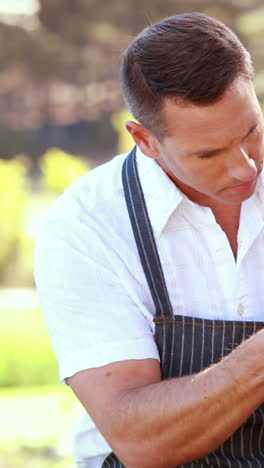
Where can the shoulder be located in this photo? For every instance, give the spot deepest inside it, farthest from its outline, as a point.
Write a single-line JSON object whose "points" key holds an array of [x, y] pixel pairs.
{"points": [[90, 192], [95, 201]]}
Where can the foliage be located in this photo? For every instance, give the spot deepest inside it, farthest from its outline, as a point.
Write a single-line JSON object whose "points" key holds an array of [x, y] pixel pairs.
{"points": [[72, 19], [251, 23], [61, 169], [14, 193], [22, 210], [79, 42]]}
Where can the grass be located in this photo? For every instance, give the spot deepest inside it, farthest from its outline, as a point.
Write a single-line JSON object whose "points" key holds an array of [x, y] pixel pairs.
{"points": [[27, 357], [36, 427], [37, 413], [28, 458]]}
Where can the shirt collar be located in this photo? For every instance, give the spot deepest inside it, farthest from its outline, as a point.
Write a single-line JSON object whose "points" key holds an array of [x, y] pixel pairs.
{"points": [[162, 196]]}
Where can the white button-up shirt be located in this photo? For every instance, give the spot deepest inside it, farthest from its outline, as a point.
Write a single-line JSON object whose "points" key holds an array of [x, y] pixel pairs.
{"points": [[92, 288]]}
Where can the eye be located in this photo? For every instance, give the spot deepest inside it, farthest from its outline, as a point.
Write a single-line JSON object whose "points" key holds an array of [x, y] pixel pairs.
{"points": [[208, 155], [252, 131]]}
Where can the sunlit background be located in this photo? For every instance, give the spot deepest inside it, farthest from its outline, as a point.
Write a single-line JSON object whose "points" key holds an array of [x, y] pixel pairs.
{"points": [[61, 114]]}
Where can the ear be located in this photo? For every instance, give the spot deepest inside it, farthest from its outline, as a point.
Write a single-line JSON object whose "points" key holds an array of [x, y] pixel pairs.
{"points": [[143, 138]]}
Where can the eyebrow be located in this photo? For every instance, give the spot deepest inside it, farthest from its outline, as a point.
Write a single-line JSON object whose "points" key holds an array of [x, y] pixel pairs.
{"points": [[212, 152]]}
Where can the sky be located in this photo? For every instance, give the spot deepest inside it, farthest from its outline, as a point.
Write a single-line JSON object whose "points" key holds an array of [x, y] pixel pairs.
{"points": [[25, 7]]}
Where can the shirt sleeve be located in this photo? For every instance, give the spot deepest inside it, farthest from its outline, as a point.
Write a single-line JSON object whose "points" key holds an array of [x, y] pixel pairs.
{"points": [[91, 318]]}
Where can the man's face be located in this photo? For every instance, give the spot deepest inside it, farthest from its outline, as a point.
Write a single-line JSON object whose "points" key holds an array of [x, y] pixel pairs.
{"points": [[215, 152]]}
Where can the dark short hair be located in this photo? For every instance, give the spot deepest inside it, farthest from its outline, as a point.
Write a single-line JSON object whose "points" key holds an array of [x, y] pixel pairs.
{"points": [[191, 57]]}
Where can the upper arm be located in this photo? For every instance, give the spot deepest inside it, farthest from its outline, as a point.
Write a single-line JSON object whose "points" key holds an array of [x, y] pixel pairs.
{"points": [[92, 318], [98, 312], [100, 390]]}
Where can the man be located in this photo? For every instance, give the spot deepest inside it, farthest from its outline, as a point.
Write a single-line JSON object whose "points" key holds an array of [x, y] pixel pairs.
{"points": [[152, 283]]}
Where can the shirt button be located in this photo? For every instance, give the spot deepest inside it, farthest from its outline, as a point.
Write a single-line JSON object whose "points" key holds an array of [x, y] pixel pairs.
{"points": [[240, 309]]}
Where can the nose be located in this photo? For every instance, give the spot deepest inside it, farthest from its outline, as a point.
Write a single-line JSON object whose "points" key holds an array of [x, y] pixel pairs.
{"points": [[242, 167]]}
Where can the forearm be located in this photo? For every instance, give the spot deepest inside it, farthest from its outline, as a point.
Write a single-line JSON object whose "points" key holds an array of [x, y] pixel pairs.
{"points": [[175, 421]]}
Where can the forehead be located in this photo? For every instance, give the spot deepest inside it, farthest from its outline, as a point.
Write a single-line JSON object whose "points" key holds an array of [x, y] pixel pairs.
{"points": [[195, 127]]}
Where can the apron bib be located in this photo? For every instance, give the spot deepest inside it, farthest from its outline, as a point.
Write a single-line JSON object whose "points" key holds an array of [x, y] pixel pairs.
{"points": [[187, 344]]}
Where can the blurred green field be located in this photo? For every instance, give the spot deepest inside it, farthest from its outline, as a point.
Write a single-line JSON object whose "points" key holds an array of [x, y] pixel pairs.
{"points": [[37, 413], [36, 427], [27, 357]]}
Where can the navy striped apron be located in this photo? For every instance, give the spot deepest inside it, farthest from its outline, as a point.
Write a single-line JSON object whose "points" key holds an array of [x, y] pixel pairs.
{"points": [[187, 344]]}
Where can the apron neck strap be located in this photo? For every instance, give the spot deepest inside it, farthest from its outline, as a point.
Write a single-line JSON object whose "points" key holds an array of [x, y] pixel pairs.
{"points": [[144, 236]]}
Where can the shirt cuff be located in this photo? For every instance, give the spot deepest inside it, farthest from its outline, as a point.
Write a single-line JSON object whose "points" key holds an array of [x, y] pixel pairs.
{"points": [[102, 355]]}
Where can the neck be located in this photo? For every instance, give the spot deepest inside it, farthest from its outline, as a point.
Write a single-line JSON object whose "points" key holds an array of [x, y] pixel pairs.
{"points": [[228, 217]]}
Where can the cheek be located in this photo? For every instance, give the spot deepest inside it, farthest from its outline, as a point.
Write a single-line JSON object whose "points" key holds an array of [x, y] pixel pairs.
{"points": [[210, 174], [260, 145], [196, 172], [201, 175], [256, 148]]}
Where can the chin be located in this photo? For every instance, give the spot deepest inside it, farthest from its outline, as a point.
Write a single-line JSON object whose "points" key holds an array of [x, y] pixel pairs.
{"points": [[237, 194], [237, 200]]}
